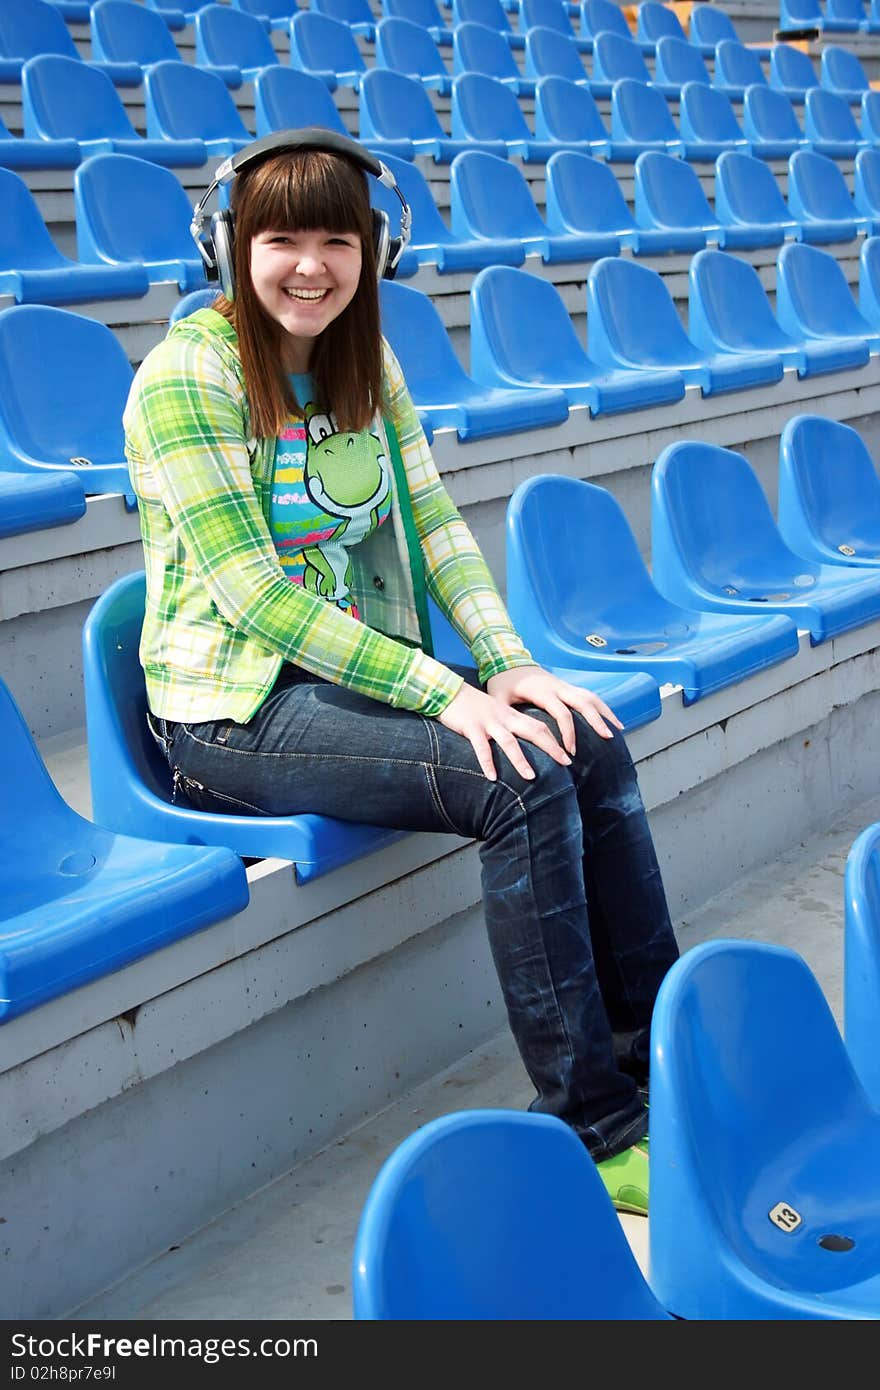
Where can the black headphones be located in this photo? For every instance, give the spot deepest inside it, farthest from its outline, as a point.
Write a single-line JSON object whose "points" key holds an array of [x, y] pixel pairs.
{"points": [[216, 244]]}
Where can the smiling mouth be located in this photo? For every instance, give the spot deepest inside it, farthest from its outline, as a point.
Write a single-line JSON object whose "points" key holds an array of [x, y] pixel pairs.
{"points": [[306, 296]]}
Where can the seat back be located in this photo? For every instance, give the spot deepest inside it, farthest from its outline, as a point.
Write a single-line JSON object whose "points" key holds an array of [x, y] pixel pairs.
{"points": [[566, 112], [289, 99], [551, 54], [31, 810], [494, 1215], [475, 48], [227, 37], [813, 295], [489, 197], [707, 115], [64, 98], [829, 491], [728, 306], [488, 12], [736, 65], [617, 56], [25, 243], [407, 47], [128, 209], [521, 331], [393, 106], [676, 61], [414, 328], [656, 21], [827, 117], [428, 226], [29, 28], [348, 11], [747, 191], [769, 115], [484, 109], [583, 195], [866, 183], [321, 44], [190, 303], [632, 318], [424, 12], [185, 102], [640, 113], [600, 16], [861, 957], [668, 193], [273, 10], [816, 186], [792, 68], [869, 281], [870, 117], [841, 70], [126, 33], [709, 25]]}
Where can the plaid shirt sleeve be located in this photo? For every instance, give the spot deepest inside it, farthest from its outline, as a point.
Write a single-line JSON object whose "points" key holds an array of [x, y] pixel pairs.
{"points": [[186, 419], [458, 577]]}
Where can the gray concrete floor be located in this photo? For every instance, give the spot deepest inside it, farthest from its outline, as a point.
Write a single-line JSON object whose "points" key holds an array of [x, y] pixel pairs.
{"points": [[286, 1252]]}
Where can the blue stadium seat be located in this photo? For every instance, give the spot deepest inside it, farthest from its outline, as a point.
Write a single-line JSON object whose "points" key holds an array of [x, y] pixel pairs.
{"points": [[357, 14], [655, 21], [870, 118], [736, 67], [861, 958], [396, 111], [599, 16], [131, 781], [841, 71], [707, 123], [669, 195], [829, 493], [177, 17], [747, 196], [422, 12], [72, 11], [125, 33], [616, 56], [491, 1215], [676, 61], [79, 902], [432, 243], [287, 99], [813, 300], [866, 189], [765, 1148], [130, 213], [487, 114], [633, 322], [274, 14], [819, 198], [869, 280], [192, 302], [490, 201], [16, 153], [709, 25], [408, 48], [184, 102], [32, 28], [715, 545], [521, 334], [584, 196], [641, 120], [770, 124], [230, 38], [67, 100], [550, 54], [327, 48], [444, 394], [847, 12], [830, 126], [567, 115], [65, 383], [478, 49], [728, 311], [792, 72], [490, 13], [34, 270], [564, 538], [552, 14], [36, 501], [809, 14]]}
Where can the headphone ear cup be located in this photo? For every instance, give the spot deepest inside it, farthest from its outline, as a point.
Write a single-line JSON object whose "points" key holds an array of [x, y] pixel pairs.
{"points": [[223, 240], [381, 240]]}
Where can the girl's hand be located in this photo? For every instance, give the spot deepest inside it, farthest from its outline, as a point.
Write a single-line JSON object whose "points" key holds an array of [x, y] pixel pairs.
{"points": [[532, 685], [484, 719]]}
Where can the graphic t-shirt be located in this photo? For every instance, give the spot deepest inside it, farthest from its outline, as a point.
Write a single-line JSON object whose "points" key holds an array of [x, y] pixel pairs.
{"points": [[330, 489]]}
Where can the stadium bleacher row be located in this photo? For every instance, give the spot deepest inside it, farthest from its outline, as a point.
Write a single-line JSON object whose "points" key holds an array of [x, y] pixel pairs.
{"points": [[641, 304]]}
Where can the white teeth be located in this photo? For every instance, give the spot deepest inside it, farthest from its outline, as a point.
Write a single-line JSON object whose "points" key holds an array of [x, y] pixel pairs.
{"points": [[305, 294]]}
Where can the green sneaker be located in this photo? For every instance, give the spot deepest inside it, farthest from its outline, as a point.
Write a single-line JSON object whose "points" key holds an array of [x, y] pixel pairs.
{"points": [[626, 1178]]}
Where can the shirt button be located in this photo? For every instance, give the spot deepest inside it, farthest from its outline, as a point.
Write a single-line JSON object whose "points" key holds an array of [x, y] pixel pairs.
{"points": [[378, 581]]}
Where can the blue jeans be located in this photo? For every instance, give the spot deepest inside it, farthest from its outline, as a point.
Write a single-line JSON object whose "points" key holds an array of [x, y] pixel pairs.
{"points": [[573, 899]]}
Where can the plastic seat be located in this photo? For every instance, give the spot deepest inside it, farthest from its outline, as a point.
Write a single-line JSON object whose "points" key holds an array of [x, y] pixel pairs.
{"points": [[444, 394], [422, 12], [866, 188], [707, 123], [567, 114], [132, 213], [820, 200], [478, 49], [809, 14], [126, 33], [676, 61], [853, 9], [494, 1215], [552, 14], [521, 334], [65, 383], [34, 270], [830, 126], [813, 299], [601, 16], [287, 99], [432, 243], [736, 68], [728, 311], [715, 545], [841, 71], [488, 12], [640, 120], [829, 493], [177, 17], [584, 196], [633, 323], [861, 958], [357, 14], [708, 25], [131, 781], [490, 201], [229, 38], [65, 99], [80, 902], [765, 1147], [668, 194], [274, 14], [747, 195], [614, 57], [869, 281], [396, 111], [190, 303], [16, 153], [32, 28], [770, 124], [550, 54], [564, 538], [655, 21], [184, 102], [408, 48], [870, 118], [487, 114], [327, 48], [792, 72], [35, 502]]}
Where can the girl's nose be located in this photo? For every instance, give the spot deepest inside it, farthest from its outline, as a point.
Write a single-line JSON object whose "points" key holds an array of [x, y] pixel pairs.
{"points": [[309, 263]]}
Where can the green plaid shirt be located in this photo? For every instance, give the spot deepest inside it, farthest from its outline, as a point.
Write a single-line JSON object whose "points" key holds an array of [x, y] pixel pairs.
{"points": [[220, 615]]}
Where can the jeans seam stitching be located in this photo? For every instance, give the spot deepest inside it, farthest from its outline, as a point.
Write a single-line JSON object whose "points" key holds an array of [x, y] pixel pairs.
{"points": [[436, 799]]}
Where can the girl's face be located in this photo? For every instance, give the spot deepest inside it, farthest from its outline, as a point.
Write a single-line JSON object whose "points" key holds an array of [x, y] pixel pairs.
{"points": [[304, 280]]}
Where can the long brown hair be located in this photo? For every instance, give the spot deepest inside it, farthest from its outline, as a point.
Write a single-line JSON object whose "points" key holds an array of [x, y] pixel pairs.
{"points": [[302, 190]]}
